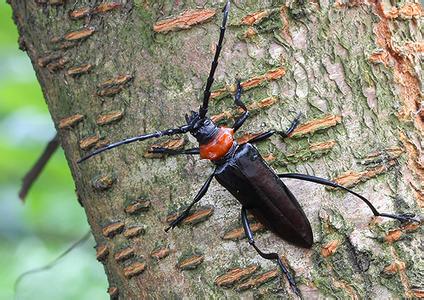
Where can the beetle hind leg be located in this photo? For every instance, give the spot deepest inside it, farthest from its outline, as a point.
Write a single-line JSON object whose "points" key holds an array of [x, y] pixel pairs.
{"points": [[407, 217], [270, 256]]}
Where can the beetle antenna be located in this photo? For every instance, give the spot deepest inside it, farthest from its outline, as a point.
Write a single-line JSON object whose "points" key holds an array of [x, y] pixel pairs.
{"points": [[207, 93], [182, 129]]}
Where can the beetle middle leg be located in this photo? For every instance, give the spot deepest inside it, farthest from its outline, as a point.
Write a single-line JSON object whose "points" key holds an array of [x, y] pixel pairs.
{"points": [[198, 197], [402, 217], [270, 256]]}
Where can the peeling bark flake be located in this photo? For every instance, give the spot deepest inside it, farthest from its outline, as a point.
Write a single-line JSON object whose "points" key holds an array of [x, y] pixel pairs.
{"points": [[396, 234], [109, 118], [352, 178], [113, 229], [250, 83], [173, 144], [134, 269], [118, 80], [322, 146], [330, 248], [88, 142], [195, 217], [190, 263], [79, 34], [87, 11], [44, 60], [233, 276], [124, 254], [134, 231], [79, 70], [257, 281], [316, 125], [79, 13], [255, 18], [184, 21], [105, 7], [238, 233], [102, 252], [137, 206], [70, 121], [255, 106], [57, 65], [160, 253], [103, 182]]}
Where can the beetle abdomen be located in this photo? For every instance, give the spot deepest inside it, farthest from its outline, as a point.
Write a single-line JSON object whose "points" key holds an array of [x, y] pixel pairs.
{"points": [[256, 186]]}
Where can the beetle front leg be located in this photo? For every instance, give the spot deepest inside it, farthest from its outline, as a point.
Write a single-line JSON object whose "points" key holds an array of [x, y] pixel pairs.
{"points": [[270, 256], [198, 197], [282, 133], [237, 99]]}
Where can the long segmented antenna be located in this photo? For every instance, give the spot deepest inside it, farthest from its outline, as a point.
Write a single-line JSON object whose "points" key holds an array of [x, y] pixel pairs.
{"points": [[182, 129], [207, 93]]}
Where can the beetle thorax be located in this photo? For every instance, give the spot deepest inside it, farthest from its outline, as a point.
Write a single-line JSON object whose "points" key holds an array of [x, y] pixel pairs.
{"points": [[214, 142], [219, 145]]}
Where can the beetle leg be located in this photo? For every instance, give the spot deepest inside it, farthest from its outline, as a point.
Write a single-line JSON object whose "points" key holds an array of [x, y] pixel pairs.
{"points": [[261, 137], [283, 134], [162, 150], [198, 197], [270, 256], [237, 99], [292, 127], [402, 217]]}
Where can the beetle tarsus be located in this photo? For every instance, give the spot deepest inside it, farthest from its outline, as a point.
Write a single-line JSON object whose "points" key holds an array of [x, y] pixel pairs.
{"points": [[271, 256], [292, 127], [403, 218]]}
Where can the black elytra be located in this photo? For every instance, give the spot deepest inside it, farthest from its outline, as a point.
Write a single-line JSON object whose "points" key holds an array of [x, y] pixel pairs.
{"points": [[244, 173]]}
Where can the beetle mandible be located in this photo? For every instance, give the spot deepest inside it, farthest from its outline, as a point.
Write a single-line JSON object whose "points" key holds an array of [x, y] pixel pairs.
{"points": [[244, 173]]}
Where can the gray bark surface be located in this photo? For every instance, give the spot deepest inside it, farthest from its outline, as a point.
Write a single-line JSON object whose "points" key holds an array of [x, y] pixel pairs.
{"points": [[112, 70]]}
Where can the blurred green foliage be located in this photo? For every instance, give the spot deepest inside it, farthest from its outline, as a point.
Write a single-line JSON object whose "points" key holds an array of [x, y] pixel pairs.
{"points": [[34, 234]]}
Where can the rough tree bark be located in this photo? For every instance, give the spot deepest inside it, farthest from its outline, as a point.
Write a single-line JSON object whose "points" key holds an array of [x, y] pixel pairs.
{"points": [[114, 69]]}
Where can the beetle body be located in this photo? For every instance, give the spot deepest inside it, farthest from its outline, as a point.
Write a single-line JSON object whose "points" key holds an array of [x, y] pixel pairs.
{"points": [[246, 175], [257, 187]]}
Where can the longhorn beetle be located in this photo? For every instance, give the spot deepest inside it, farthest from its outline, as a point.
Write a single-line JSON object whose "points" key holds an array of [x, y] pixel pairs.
{"points": [[244, 173]]}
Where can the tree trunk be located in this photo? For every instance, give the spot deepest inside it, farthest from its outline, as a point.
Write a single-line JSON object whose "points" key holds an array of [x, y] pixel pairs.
{"points": [[112, 70]]}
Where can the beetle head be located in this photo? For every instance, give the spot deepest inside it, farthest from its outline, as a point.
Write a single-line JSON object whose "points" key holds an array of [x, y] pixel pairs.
{"points": [[203, 129]]}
